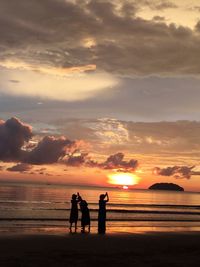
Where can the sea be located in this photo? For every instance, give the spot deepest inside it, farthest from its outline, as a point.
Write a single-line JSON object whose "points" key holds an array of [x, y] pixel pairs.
{"points": [[28, 208]]}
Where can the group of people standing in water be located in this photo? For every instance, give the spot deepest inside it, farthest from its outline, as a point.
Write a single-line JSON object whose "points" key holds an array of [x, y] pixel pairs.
{"points": [[85, 218]]}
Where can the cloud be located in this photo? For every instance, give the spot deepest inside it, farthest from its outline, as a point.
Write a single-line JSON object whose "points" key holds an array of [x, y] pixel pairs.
{"points": [[156, 5], [1, 168], [178, 172], [14, 81], [41, 171], [13, 135], [194, 8], [14, 145], [161, 4], [197, 26], [108, 136], [116, 162], [109, 130], [164, 137], [76, 159], [49, 150], [113, 162], [21, 167], [54, 83], [175, 98], [159, 18], [145, 139], [122, 42], [46, 70]]}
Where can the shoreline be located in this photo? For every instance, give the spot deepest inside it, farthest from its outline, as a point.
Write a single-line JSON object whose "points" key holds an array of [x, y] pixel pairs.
{"points": [[115, 230], [126, 227]]}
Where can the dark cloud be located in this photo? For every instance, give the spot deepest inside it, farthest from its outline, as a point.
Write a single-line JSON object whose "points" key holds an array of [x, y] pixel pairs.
{"points": [[1, 168], [117, 161], [195, 173], [14, 81], [175, 171], [52, 33], [113, 162], [128, 9], [76, 159], [49, 150], [13, 135], [41, 171], [14, 146], [159, 18], [21, 167], [197, 26]]}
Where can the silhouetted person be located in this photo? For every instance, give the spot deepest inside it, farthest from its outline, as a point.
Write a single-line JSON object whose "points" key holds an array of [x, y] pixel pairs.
{"points": [[85, 219], [74, 212], [102, 213]]}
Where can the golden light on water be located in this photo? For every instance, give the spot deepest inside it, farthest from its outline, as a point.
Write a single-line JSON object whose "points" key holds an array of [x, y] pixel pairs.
{"points": [[124, 179]]}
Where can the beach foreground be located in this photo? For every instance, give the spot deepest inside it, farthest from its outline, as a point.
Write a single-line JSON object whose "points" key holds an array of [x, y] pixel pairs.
{"points": [[148, 249]]}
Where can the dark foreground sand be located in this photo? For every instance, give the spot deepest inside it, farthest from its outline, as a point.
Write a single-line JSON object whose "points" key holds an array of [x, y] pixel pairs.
{"points": [[152, 249]]}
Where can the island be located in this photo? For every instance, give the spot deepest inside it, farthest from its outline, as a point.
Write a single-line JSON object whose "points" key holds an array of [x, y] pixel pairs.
{"points": [[166, 186]]}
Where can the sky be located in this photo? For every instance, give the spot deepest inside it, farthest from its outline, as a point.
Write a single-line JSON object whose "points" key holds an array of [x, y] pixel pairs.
{"points": [[91, 89]]}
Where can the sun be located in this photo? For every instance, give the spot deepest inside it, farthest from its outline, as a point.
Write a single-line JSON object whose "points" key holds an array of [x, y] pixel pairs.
{"points": [[124, 179], [125, 187]]}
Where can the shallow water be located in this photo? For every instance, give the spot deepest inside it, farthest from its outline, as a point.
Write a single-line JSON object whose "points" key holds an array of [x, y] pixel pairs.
{"points": [[46, 208]]}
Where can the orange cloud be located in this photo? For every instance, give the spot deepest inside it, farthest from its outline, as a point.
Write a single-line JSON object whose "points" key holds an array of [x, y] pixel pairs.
{"points": [[21, 65]]}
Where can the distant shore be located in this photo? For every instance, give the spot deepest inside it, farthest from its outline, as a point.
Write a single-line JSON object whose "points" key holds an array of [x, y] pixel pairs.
{"points": [[152, 249]]}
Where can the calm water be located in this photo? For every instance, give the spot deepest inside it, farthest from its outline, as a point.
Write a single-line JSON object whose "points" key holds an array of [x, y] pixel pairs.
{"points": [[46, 208]]}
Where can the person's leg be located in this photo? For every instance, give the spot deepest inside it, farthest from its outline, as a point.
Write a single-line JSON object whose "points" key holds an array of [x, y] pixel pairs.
{"points": [[101, 225], [70, 227], [104, 227], [75, 227], [83, 229]]}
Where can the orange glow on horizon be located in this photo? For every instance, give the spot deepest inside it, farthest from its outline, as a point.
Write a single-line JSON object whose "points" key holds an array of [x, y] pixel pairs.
{"points": [[123, 179]]}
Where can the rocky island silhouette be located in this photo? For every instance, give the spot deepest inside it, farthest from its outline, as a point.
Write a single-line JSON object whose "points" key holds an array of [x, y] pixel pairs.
{"points": [[166, 186]]}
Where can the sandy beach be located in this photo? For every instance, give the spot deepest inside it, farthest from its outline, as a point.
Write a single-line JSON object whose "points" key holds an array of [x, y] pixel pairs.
{"points": [[147, 249]]}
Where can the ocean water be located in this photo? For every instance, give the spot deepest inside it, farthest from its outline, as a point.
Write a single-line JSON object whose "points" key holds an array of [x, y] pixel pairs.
{"points": [[46, 208]]}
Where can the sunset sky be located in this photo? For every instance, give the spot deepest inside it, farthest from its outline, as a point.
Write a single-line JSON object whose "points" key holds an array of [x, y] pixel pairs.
{"points": [[91, 89]]}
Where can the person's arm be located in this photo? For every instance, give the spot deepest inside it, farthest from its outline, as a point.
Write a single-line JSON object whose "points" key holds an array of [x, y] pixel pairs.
{"points": [[107, 197], [79, 197]]}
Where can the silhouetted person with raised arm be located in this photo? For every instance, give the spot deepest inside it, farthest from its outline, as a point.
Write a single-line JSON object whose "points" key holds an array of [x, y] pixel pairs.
{"points": [[103, 199], [85, 219], [74, 212]]}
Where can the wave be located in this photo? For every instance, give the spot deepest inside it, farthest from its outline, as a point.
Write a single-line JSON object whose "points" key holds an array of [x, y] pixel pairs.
{"points": [[139, 211], [93, 219], [33, 202], [121, 211], [108, 205]]}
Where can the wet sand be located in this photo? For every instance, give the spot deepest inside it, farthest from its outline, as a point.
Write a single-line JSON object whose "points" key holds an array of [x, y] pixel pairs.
{"points": [[147, 249]]}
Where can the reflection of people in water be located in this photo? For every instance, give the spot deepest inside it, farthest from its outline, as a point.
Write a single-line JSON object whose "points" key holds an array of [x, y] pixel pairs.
{"points": [[85, 219], [74, 212], [103, 198]]}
